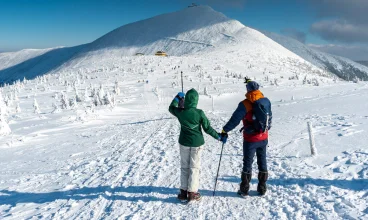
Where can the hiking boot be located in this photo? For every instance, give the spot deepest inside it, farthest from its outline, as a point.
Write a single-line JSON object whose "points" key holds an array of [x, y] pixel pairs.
{"points": [[244, 185], [194, 196], [262, 179], [183, 195]]}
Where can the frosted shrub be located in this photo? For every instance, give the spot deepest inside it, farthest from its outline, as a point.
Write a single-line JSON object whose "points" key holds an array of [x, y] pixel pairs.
{"points": [[116, 88], [64, 101], [113, 100], [73, 103], [96, 100], [86, 95], [107, 99], [4, 127], [7, 101], [205, 91], [93, 92], [305, 80], [101, 93], [56, 108], [315, 82], [17, 109], [36, 108], [276, 82], [15, 96], [77, 97]]}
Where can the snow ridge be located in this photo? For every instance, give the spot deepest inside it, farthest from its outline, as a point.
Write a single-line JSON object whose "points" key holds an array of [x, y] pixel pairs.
{"points": [[340, 66]]}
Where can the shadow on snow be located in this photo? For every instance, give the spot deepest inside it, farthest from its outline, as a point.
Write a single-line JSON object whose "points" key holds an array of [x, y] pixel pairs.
{"points": [[131, 193], [355, 184], [154, 193]]}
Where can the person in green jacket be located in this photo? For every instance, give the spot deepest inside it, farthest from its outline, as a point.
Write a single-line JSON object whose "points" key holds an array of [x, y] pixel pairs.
{"points": [[191, 141]]}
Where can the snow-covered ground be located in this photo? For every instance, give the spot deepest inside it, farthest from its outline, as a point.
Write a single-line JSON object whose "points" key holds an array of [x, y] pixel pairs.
{"points": [[91, 136], [122, 161]]}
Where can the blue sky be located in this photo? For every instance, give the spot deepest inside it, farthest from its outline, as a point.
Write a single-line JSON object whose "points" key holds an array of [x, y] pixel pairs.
{"points": [[50, 23]]}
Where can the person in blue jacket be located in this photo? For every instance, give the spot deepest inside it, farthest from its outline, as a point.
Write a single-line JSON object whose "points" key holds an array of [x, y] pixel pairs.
{"points": [[254, 142]]}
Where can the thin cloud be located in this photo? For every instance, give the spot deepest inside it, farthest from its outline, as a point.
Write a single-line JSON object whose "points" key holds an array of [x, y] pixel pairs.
{"points": [[356, 52], [340, 30], [349, 23], [354, 11], [294, 33]]}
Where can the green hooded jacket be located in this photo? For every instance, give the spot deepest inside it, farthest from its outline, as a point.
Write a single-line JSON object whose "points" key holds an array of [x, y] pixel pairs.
{"points": [[192, 120]]}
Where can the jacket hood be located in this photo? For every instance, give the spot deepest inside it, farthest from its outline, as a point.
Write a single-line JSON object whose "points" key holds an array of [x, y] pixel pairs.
{"points": [[254, 95], [191, 99]]}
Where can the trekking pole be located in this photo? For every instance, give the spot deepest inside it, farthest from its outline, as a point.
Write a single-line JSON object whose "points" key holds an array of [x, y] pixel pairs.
{"points": [[214, 191], [181, 101], [182, 84]]}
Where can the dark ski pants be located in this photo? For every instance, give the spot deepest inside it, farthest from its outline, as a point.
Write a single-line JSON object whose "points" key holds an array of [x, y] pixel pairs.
{"points": [[258, 148]]}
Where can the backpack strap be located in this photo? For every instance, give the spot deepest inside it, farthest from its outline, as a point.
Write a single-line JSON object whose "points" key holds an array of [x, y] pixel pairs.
{"points": [[248, 107]]}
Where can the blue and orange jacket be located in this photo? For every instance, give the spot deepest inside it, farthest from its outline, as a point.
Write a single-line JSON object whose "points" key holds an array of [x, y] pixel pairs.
{"points": [[244, 113]]}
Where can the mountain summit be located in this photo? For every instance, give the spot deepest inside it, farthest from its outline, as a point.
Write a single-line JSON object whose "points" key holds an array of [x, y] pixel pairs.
{"points": [[192, 31], [182, 32]]}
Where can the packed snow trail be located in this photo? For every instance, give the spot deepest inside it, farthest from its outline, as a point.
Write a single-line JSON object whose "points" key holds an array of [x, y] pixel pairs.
{"points": [[123, 162], [134, 174]]}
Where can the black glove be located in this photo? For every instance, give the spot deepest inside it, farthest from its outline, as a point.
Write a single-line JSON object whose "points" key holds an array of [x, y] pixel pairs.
{"points": [[223, 136]]}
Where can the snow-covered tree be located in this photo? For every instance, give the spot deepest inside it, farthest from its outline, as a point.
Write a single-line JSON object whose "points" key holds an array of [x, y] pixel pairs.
{"points": [[64, 101], [86, 95], [36, 108], [205, 91], [17, 109], [113, 100], [15, 96], [107, 99], [4, 127], [73, 103], [77, 97], [116, 88], [56, 108]]}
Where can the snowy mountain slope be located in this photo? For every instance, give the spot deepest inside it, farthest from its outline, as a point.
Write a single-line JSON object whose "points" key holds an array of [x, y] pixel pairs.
{"points": [[204, 34], [340, 66], [122, 161], [182, 32], [8, 59], [35, 64], [365, 63], [196, 31], [191, 31]]}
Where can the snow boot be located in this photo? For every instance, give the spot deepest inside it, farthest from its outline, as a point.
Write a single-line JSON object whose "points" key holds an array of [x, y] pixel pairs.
{"points": [[262, 179], [194, 196], [183, 195], [244, 185]]}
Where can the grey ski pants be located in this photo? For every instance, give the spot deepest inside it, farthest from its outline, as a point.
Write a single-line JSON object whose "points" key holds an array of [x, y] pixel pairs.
{"points": [[190, 167]]}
